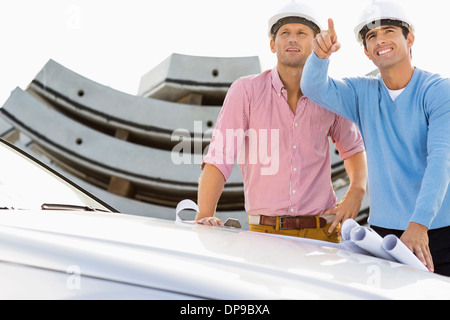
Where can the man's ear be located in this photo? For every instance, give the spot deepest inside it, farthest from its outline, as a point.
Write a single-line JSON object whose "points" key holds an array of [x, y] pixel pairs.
{"points": [[272, 46], [367, 54], [410, 40]]}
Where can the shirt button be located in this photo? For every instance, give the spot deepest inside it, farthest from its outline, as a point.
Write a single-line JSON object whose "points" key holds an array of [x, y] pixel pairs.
{"points": [[292, 209], [295, 169], [296, 124], [293, 191], [295, 147]]}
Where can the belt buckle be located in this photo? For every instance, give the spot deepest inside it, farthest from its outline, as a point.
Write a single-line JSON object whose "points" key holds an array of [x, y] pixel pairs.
{"points": [[281, 222]]}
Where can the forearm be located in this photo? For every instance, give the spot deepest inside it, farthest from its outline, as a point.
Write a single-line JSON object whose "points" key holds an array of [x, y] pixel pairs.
{"points": [[337, 96], [436, 179], [356, 168], [210, 188], [314, 77], [350, 204]]}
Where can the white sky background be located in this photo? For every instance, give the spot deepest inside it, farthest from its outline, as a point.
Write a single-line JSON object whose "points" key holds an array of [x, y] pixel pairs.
{"points": [[115, 42]]}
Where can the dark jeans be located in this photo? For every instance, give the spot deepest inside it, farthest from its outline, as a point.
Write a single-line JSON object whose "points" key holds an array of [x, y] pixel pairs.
{"points": [[439, 242]]}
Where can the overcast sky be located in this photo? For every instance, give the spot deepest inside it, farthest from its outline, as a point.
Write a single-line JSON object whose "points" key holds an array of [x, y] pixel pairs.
{"points": [[115, 42]]}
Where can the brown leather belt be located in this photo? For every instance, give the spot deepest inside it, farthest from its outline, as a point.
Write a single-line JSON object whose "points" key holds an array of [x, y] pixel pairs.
{"points": [[289, 222]]}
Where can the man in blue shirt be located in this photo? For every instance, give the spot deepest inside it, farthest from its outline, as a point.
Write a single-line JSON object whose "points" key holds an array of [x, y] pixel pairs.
{"points": [[404, 119]]}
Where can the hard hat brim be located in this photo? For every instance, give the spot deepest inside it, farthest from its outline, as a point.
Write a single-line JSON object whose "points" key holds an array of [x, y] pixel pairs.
{"points": [[278, 17], [373, 23]]}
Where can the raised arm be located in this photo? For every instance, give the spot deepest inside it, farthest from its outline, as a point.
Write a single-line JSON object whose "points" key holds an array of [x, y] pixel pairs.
{"points": [[338, 96]]}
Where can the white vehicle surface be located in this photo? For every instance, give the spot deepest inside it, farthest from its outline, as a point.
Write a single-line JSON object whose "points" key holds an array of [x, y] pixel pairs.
{"points": [[59, 242]]}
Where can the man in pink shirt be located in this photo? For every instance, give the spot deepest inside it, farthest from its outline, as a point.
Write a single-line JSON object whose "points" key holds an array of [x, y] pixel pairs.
{"points": [[280, 141]]}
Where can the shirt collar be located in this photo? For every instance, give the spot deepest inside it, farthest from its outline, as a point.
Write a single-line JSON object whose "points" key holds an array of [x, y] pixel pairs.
{"points": [[277, 84], [276, 81]]}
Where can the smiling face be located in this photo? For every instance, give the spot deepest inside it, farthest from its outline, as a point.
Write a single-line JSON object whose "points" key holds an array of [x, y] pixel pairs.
{"points": [[388, 46], [293, 44]]}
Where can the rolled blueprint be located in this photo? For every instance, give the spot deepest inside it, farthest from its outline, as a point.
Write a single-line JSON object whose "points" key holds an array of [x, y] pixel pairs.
{"points": [[400, 251], [347, 227], [185, 205], [371, 241]]}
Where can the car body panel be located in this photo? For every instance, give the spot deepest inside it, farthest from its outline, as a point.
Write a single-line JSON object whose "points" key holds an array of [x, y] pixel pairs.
{"points": [[186, 260], [82, 249]]}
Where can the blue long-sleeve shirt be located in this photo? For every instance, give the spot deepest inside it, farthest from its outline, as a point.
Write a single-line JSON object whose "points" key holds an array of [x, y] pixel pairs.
{"points": [[407, 141]]}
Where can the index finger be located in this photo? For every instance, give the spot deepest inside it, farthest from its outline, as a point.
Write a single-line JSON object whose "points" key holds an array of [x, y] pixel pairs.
{"points": [[331, 30]]}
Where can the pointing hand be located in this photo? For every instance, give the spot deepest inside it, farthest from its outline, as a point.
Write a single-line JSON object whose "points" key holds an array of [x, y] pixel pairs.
{"points": [[326, 42]]}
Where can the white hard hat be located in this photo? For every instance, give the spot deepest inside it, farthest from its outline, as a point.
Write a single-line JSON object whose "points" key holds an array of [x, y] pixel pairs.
{"points": [[382, 13], [301, 13]]}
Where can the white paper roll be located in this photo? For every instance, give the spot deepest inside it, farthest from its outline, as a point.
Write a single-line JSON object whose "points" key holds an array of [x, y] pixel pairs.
{"points": [[185, 205], [371, 241], [400, 251], [347, 227]]}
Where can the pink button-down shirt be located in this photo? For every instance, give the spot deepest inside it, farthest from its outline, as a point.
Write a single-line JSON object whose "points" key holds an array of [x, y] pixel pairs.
{"points": [[284, 157]]}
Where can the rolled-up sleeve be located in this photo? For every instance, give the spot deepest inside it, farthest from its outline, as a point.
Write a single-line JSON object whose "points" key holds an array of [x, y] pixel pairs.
{"points": [[346, 137], [230, 129]]}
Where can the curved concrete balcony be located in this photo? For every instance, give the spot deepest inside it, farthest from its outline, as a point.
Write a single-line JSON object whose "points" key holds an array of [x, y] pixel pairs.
{"points": [[201, 80], [150, 173], [145, 121]]}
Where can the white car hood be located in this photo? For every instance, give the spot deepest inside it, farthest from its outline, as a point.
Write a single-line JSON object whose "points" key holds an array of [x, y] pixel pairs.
{"points": [[200, 262]]}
